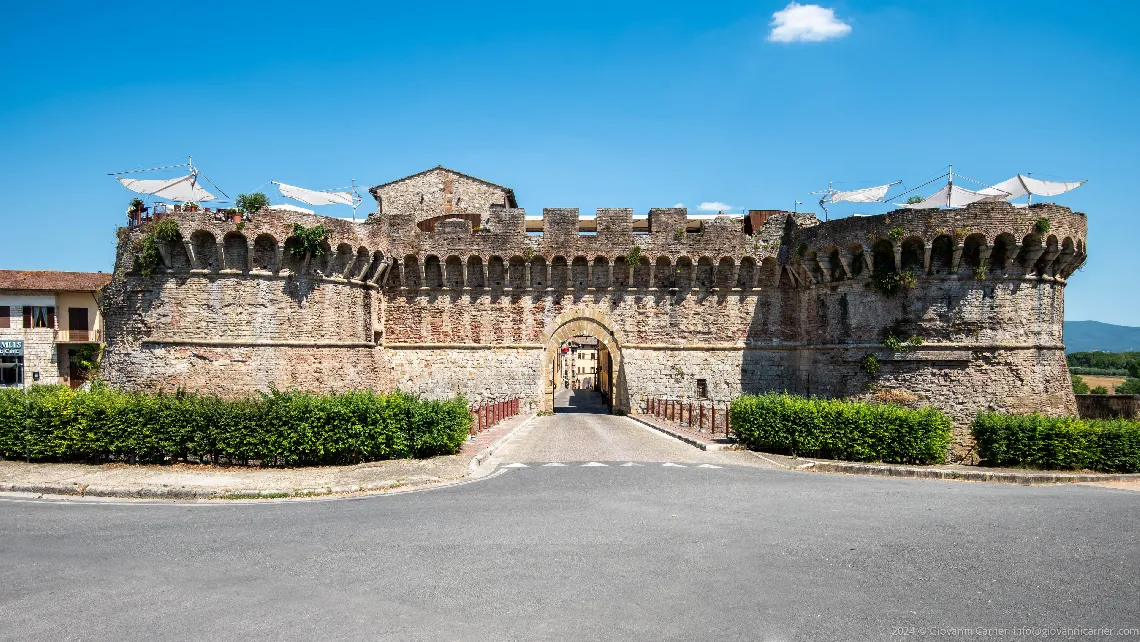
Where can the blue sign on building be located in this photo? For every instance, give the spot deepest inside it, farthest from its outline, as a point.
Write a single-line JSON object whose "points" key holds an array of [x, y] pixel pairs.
{"points": [[12, 348]]}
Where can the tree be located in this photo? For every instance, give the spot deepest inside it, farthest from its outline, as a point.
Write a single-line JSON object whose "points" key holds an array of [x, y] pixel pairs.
{"points": [[1099, 390], [914, 200], [1079, 385], [1134, 369], [1130, 387], [251, 203]]}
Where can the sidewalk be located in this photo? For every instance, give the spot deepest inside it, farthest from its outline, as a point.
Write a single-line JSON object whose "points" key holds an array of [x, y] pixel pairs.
{"points": [[959, 472], [1023, 476], [192, 481]]}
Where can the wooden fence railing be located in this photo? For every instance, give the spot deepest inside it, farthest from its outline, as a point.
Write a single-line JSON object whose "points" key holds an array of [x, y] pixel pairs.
{"points": [[483, 416], [703, 416]]}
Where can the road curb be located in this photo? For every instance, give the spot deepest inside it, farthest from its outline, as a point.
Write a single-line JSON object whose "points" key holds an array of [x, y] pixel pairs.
{"points": [[692, 441], [197, 493], [485, 454], [1027, 478]]}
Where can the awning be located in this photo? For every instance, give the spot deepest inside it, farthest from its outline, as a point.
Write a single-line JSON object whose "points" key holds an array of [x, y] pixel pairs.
{"points": [[952, 196], [1019, 186], [314, 197], [184, 189], [865, 195]]}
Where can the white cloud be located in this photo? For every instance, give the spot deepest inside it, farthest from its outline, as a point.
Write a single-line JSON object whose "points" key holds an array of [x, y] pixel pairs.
{"points": [[715, 206], [806, 23], [679, 205]]}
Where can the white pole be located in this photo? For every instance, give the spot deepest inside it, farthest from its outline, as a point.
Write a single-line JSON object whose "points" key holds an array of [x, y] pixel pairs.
{"points": [[950, 185]]}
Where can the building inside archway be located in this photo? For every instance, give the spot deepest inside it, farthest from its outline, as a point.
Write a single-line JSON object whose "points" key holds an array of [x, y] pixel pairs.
{"points": [[584, 363]]}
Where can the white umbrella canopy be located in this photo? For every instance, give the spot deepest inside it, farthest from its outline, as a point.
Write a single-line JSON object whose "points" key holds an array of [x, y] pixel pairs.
{"points": [[1021, 185], [952, 196], [315, 197], [184, 189]]}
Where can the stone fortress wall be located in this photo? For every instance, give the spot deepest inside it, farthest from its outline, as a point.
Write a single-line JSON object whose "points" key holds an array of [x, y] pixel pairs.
{"points": [[478, 305]]}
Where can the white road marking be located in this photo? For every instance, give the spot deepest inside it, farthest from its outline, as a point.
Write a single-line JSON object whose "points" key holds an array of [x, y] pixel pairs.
{"points": [[671, 464], [594, 463], [708, 466], [516, 465], [630, 463], [554, 463]]}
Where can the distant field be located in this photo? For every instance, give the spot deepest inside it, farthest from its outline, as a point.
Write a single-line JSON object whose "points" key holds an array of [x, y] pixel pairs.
{"points": [[1107, 382]]}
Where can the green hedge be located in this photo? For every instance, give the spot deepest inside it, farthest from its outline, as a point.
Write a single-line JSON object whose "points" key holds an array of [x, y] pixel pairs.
{"points": [[55, 423], [1099, 372], [837, 429], [1063, 443]]}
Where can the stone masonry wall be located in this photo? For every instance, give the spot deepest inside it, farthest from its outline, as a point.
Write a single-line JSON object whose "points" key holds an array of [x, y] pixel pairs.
{"points": [[439, 191], [795, 306]]}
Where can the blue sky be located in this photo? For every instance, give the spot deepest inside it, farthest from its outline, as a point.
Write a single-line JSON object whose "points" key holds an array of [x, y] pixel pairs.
{"points": [[583, 104]]}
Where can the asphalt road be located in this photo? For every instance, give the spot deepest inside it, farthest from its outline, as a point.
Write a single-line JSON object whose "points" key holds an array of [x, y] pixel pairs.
{"points": [[579, 552]]}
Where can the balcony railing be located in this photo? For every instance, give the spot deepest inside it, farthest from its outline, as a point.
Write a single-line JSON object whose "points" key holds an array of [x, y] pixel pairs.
{"points": [[79, 336]]}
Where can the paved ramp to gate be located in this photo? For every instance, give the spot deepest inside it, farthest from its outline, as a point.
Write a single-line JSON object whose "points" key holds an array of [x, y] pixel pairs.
{"points": [[580, 401], [589, 437]]}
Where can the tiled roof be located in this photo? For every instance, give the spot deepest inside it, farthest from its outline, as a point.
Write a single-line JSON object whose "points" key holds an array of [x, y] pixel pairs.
{"points": [[52, 281]]}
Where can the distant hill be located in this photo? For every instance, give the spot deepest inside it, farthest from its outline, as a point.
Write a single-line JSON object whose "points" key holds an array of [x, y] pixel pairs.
{"points": [[1086, 336]]}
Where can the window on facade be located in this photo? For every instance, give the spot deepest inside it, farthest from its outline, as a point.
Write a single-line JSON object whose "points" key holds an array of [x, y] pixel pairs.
{"points": [[40, 316], [702, 389], [77, 319]]}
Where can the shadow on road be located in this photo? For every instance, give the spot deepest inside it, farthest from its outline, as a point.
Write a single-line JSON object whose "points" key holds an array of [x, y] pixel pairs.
{"points": [[580, 401]]}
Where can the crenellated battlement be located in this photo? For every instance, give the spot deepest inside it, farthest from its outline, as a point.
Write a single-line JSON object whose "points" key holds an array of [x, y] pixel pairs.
{"points": [[677, 252]]}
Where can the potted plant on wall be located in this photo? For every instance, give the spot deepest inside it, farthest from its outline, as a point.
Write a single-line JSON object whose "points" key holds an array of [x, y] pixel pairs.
{"points": [[135, 210], [247, 204], [190, 207]]}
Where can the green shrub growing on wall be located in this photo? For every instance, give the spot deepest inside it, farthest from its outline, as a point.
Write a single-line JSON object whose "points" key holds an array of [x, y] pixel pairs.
{"points": [[310, 240], [281, 428], [1064, 443], [870, 364], [147, 256], [634, 256], [837, 429]]}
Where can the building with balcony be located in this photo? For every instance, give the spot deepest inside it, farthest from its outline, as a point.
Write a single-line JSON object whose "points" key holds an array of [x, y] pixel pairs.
{"points": [[47, 320]]}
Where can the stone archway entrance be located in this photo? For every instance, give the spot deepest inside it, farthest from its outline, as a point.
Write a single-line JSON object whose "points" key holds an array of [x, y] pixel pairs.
{"points": [[588, 324]]}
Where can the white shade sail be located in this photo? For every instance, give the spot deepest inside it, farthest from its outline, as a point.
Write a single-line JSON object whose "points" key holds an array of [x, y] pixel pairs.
{"points": [[183, 189], [1020, 185], [291, 208], [865, 195], [952, 196], [314, 197]]}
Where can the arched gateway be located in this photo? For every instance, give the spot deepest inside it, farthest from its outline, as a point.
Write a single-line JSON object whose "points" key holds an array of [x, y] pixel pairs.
{"points": [[592, 323]]}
